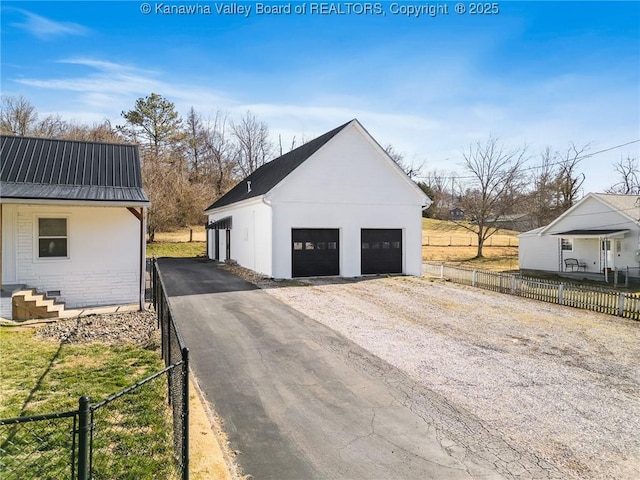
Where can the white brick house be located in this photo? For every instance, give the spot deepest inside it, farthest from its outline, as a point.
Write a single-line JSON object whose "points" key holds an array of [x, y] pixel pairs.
{"points": [[73, 220]]}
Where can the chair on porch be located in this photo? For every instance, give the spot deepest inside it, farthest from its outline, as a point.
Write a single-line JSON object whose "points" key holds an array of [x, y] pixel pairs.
{"points": [[573, 264]]}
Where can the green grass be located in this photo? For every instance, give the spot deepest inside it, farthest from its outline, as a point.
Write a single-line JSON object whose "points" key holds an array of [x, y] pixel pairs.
{"points": [[132, 435], [176, 249]]}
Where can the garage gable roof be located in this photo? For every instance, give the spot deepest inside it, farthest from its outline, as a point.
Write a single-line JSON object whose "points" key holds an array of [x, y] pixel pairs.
{"points": [[68, 170], [270, 174]]}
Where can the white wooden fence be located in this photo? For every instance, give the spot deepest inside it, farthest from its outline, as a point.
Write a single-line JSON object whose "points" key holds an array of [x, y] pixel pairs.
{"points": [[597, 299]]}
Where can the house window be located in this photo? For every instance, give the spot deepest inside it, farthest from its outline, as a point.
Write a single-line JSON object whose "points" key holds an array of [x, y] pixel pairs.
{"points": [[567, 245], [52, 238]]}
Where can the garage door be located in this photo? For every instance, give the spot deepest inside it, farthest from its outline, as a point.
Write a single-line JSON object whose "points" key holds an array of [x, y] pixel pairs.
{"points": [[381, 251], [315, 252]]}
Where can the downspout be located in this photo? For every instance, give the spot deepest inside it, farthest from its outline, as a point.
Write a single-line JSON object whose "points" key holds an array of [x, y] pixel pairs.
{"points": [[143, 258]]}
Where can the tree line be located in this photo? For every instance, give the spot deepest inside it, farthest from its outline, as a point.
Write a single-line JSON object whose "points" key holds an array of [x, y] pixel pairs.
{"points": [[188, 162]]}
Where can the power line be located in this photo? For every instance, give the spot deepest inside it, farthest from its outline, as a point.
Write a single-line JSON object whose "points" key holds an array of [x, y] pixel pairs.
{"points": [[560, 162]]}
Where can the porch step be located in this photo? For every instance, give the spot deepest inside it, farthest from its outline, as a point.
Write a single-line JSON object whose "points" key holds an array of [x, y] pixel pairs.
{"points": [[27, 304]]}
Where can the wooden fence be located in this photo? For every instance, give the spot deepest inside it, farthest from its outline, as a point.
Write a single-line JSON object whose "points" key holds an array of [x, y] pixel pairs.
{"points": [[430, 240], [596, 299]]}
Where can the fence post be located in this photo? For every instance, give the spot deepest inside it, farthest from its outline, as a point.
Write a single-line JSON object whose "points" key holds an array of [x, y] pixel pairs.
{"points": [[626, 277], [561, 294], [513, 284], [185, 413], [615, 278], [474, 278], [442, 270], [83, 438], [621, 299]]}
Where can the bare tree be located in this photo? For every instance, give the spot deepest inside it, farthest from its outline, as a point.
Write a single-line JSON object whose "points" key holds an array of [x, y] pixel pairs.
{"points": [[569, 180], [411, 169], [442, 188], [543, 200], [253, 147], [496, 181], [629, 175], [17, 116], [219, 164]]}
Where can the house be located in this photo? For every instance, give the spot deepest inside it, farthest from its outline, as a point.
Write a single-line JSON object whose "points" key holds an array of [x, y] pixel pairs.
{"points": [[456, 214], [518, 222], [337, 205], [73, 220], [599, 233]]}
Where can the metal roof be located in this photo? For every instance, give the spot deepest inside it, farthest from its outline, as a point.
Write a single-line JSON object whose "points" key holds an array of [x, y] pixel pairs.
{"points": [[51, 169], [270, 174], [592, 233]]}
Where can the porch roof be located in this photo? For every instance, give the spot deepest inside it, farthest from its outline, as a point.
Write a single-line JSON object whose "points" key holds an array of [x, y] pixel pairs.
{"points": [[593, 233], [222, 224]]}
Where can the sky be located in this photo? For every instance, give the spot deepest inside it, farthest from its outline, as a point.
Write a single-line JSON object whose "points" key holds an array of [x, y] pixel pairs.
{"points": [[426, 77]]}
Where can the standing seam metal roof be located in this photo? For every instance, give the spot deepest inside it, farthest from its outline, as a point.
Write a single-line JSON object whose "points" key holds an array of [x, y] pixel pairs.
{"points": [[44, 168]]}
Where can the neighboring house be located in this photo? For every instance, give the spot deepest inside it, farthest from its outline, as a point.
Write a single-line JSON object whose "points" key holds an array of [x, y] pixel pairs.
{"points": [[456, 214], [73, 220], [518, 222], [601, 231], [337, 205]]}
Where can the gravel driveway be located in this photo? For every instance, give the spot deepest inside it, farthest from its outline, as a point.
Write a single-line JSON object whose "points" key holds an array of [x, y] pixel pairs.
{"points": [[558, 382]]}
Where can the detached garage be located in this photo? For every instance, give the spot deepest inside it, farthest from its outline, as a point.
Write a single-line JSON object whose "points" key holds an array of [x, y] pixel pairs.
{"points": [[336, 206]]}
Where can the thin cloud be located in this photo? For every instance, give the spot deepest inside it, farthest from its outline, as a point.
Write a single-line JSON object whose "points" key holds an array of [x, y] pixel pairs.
{"points": [[46, 29]]}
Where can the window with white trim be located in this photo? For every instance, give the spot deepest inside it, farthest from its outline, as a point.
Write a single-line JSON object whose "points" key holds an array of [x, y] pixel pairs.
{"points": [[566, 244], [52, 238]]}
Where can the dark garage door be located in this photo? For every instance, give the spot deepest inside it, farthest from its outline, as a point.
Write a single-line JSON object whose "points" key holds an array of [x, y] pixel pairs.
{"points": [[381, 251], [315, 252]]}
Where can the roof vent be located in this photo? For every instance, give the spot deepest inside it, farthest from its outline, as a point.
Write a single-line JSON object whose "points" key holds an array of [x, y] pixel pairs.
{"points": [[248, 186]]}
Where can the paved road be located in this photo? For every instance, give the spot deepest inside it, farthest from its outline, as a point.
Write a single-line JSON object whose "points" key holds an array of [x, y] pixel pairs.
{"points": [[301, 402]]}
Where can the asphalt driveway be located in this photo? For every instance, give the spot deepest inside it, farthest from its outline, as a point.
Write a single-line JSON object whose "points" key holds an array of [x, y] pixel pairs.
{"points": [[299, 401]]}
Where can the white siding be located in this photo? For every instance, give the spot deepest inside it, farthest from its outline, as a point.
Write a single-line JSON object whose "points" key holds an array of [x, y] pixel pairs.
{"points": [[250, 235], [538, 252], [9, 244], [349, 219], [349, 184], [103, 267], [541, 252]]}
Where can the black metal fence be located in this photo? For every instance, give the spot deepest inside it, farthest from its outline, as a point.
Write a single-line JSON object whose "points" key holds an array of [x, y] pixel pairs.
{"points": [[125, 436]]}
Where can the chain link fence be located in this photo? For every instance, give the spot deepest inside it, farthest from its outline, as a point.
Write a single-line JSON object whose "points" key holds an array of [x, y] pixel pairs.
{"points": [[40, 446], [125, 436]]}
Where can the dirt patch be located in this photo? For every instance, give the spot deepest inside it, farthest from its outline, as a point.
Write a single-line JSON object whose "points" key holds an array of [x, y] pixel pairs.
{"points": [[560, 382], [138, 328]]}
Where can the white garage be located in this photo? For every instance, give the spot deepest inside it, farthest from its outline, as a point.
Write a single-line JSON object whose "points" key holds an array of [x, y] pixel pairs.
{"points": [[336, 206]]}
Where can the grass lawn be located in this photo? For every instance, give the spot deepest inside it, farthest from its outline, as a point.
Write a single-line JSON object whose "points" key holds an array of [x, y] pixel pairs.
{"points": [[132, 437], [443, 241], [451, 243], [176, 249]]}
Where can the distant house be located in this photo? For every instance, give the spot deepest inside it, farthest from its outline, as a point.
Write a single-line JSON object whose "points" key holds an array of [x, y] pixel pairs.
{"points": [[73, 220], [456, 214], [518, 222], [601, 231], [337, 205]]}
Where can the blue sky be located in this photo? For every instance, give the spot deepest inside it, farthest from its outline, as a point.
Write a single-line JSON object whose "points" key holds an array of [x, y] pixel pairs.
{"points": [[541, 73]]}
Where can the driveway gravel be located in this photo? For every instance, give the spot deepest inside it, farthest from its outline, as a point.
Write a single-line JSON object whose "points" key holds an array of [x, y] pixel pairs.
{"points": [[560, 383]]}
